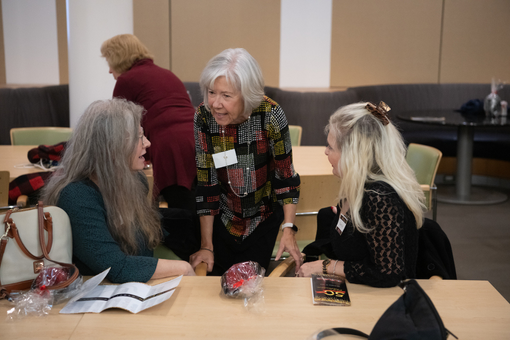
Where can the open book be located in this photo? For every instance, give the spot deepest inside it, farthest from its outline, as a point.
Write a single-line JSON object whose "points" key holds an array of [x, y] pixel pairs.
{"points": [[329, 290], [131, 296]]}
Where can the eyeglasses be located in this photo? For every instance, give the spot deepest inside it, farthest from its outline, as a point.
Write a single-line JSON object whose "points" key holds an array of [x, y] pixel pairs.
{"points": [[142, 136]]}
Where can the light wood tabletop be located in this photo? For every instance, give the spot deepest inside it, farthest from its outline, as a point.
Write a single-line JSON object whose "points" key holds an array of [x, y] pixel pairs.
{"points": [[319, 187], [308, 160], [197, 310], [13, 158]]}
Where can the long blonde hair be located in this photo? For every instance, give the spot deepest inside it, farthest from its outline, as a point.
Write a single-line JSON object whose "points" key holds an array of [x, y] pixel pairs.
{"points": [[372, 152], [101, 148]]}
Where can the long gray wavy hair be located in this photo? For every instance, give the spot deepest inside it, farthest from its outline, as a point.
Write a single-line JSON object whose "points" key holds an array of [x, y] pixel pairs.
{"points": [[102, 148]]}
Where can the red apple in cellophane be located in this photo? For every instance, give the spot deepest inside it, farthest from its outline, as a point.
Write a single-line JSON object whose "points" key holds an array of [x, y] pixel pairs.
{"points": [[50, 276], [242, 279]]}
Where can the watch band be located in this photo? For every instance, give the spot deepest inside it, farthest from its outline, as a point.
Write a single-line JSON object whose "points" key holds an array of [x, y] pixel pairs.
{"points": [[290, 225], [325, 266], [287, 225]]}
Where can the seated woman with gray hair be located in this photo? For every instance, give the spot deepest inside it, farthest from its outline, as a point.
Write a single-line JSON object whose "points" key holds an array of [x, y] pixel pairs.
{"points": [[372, 236], [102, 188], [247, 185]]}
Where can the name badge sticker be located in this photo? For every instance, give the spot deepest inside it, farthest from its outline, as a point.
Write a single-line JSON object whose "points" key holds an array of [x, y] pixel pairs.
{"points": [[342, 222], [223, 159]]}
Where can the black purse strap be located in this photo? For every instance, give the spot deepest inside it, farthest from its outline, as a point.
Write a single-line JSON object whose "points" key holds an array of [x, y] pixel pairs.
{"points": [[341, 330]]}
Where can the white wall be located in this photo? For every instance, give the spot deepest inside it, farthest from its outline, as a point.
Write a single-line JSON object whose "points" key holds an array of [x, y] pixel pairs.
{"points": [[305, 43], [30, 40], [31, 49], [90, 22]]}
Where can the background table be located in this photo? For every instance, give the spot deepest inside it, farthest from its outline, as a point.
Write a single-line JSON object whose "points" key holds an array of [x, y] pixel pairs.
{"points": [[13, 158], [319, 187], [197, 310], [466, 124]]}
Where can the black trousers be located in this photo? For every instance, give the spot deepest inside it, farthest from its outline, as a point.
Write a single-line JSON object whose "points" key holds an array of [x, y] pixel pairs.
{"points": [[180, 197], [182, 231], [257, 247]]}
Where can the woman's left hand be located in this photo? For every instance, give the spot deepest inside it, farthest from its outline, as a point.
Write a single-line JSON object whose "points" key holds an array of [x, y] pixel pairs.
{"points": [[288, 243], [309, 268]]}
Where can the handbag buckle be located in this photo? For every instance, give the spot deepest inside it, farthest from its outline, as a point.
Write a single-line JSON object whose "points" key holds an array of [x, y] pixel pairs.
{"points": [[38, 266]]}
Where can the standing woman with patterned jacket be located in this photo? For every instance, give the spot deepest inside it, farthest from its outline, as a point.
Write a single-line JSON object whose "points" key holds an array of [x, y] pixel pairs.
{"points": [[247, 185]]}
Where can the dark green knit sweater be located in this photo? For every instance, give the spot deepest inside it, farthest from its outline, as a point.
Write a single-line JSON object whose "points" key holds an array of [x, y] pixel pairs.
{"points": [[94, 248]]}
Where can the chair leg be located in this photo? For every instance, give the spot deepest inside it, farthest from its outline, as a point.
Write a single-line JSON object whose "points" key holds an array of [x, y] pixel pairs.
{"points": [[433, 192]]}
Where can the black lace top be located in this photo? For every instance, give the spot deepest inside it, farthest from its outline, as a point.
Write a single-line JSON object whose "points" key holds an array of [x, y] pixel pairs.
{"points": [[384, 256]]}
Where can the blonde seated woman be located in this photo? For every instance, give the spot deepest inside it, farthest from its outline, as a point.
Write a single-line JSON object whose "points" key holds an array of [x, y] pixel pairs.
{"points": [[371, 237], [101, 187]]}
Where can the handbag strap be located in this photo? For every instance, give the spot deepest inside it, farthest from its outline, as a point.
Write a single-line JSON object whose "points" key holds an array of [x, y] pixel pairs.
{"points": [[42, 217], [11, 231], [3, 245], [45, 223]]}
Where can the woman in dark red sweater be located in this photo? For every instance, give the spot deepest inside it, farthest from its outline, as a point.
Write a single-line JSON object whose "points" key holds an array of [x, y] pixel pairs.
{"points": [[168, 122]]}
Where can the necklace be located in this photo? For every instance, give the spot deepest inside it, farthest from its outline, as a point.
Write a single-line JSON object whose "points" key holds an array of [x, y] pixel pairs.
{"points": [[247, 168]]}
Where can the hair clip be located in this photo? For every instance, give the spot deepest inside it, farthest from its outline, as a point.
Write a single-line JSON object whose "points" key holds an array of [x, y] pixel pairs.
{"points": [[380, 111]]}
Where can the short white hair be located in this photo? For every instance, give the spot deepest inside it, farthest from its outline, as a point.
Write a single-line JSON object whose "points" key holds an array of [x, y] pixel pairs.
{"points": [[241, 71]]}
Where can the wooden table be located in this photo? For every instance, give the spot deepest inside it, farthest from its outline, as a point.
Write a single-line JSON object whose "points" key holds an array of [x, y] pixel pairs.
{"points": [[319, 187], [13, 158], [470, 309]]}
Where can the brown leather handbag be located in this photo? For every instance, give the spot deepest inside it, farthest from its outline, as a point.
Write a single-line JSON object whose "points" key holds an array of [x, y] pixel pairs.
{"points": [[31, 238]]}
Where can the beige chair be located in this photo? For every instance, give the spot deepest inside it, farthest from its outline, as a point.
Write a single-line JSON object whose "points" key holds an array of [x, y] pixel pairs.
{"points": [[4, 193], [40, 135], [285, 267], [295, 134], [424, 160], [4, 189]]}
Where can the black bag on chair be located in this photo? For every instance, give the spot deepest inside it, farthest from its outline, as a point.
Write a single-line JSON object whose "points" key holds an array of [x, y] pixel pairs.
{"points": [[435, 255], [413, 316]]}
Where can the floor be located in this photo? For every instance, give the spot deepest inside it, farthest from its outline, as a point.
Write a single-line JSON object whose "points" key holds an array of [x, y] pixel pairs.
{"points": [[480, 238]]}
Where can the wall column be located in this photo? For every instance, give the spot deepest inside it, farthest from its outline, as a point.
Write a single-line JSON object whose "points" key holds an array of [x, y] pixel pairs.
{"points": [[90, 22], [305, 43]]}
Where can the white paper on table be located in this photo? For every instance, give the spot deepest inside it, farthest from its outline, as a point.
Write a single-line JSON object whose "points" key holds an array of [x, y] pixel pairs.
{"points": [[131, 296]]}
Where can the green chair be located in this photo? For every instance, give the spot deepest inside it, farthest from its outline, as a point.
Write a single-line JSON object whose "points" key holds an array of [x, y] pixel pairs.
{"points": [[424, 160], [47, 135], [163, 252], [295, 134]]}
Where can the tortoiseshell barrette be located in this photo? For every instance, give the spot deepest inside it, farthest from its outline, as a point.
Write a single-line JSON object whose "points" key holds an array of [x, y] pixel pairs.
{"points": [[380, 111]]}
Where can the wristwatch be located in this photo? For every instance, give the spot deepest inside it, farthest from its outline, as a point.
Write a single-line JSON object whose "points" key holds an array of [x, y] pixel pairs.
{"points": [[325, 266], [291, 226]]}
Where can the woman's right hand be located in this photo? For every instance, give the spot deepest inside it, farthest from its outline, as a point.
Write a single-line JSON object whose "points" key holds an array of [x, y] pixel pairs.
{"points": [[203, 255]]}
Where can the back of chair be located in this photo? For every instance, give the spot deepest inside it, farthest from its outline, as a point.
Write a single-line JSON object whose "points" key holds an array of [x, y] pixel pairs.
{"points": [[4, 188], [295, 134], [424, 160], [47, 135]]}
